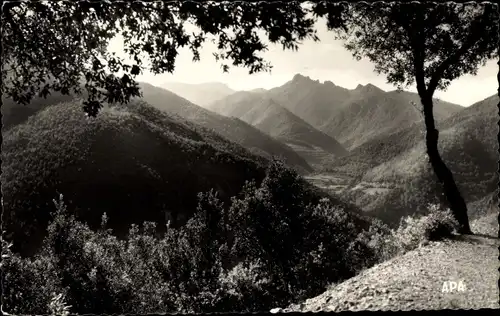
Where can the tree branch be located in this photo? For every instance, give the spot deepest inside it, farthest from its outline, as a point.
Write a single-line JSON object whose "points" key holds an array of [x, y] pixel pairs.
{"points": [[454, 58]]}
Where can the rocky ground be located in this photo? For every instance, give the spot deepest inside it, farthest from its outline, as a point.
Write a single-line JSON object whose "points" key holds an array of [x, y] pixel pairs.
{"points": [[414, 281]]}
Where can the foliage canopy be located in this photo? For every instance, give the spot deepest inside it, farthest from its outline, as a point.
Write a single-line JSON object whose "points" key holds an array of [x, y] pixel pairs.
{"points": [[62, 45], [429, 44]]}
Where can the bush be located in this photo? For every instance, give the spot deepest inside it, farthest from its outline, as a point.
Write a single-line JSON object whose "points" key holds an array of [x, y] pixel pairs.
{"points": [[371, 246], [28, 283], [275, 244], [57, 306], [248, 286], [414, 231], [440, 223], [380, 243]]}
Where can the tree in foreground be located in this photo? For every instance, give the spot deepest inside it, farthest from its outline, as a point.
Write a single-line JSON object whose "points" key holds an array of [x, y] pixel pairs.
{"points": [[430, 45]]}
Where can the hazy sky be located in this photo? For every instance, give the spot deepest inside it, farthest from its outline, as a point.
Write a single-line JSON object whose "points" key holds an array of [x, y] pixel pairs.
{"points": [[323, 60]]}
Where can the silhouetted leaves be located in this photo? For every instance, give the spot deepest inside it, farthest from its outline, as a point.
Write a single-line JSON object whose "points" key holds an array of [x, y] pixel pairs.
{"points": [[63, 42], [434, 43]]}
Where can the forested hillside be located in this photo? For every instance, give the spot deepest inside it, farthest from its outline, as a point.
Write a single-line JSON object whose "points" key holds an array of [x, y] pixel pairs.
{"points": [[468, 145], [14, 114], [136, 163], [231, 128], [234, 130]]}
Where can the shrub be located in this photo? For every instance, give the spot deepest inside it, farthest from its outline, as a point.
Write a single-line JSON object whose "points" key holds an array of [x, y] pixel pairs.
{"points": [[248, 286], [381, 242], [27, 283], [57, 306], [440, 223], [330, 231], [414, 231], [276, 243]]}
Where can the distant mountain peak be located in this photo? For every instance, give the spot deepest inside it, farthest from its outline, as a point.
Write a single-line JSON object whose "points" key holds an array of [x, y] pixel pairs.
{"points": [[258, 90], [200, 84], [299, 77], [216, 84], [200, 93], [367, 88], [371, 86]]}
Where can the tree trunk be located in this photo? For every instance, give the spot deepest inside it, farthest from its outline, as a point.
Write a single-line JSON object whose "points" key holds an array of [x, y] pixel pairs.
{"points": [[455, 200]]}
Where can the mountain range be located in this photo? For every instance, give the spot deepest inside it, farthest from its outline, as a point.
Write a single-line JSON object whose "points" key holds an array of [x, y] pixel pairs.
{"points": [[201, 94], [233, 129], [323, 121], [356, 116], [274, 119], [365, 134], [458, 134], [384, 135], [150, 160]]}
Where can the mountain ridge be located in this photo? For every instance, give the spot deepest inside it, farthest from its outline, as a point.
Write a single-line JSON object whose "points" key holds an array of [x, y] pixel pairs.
{"points": [[353, 116], [248, 136], [201, 93], [273, 119], [467, 144], [235, 130]]}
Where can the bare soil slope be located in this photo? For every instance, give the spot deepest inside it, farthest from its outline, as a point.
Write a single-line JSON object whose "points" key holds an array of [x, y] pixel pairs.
{"points": [[415, 280]]}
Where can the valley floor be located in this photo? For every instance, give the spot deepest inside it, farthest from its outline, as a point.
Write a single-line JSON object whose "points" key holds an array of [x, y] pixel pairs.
{"points": [[414, 281], [339, 183]]}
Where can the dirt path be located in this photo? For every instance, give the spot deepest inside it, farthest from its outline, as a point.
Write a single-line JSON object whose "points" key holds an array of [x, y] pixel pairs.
{"points": [[415, 280]]}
